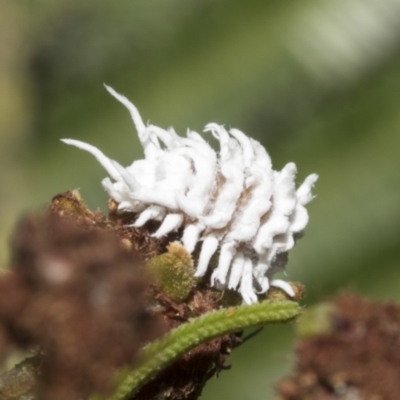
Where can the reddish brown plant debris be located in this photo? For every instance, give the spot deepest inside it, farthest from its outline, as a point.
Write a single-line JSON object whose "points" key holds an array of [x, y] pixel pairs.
{"points": [[140, 238], [186, 378], [358, 359], [70, 204], [79, 295]]}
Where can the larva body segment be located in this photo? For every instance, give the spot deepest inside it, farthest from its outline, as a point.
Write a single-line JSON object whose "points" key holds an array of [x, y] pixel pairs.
{"points": [[231, 200]]}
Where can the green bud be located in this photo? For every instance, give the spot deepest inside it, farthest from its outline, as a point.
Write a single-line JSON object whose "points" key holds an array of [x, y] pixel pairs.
{"points": [[173, 271]]}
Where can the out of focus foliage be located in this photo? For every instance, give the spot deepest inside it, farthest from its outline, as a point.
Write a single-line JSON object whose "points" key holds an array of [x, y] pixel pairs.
{"points": [[318, 82]]}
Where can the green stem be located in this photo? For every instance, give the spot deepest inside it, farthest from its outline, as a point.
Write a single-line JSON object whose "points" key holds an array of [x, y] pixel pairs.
{"points": [[161, 353]]}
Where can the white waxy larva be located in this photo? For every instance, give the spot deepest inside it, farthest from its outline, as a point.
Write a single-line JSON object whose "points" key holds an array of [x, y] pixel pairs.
{"points": [[231, 200]]}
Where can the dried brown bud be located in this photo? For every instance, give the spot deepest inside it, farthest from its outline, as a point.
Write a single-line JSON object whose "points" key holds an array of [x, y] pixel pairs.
{"points": [[81, 296]]}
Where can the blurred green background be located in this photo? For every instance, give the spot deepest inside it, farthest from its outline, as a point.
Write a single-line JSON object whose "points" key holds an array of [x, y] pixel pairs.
{"points": [[317, 82]]}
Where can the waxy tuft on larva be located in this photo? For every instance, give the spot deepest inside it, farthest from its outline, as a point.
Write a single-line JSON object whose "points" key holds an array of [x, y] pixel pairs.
{"points": [[231, 200]]}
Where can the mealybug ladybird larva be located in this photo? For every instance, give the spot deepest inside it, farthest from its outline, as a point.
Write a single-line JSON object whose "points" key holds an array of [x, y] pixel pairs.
{"points": [[232, 200]]}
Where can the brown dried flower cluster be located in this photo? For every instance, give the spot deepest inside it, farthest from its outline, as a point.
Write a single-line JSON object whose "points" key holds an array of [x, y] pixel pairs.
{"points": [[356, 355], [78, 294]]}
